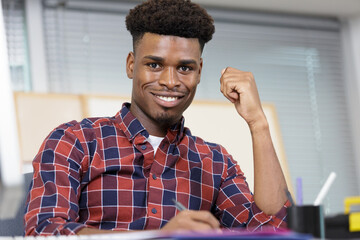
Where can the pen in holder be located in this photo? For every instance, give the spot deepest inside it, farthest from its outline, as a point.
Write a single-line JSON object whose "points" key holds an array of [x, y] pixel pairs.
{"points": [[309, 218]]}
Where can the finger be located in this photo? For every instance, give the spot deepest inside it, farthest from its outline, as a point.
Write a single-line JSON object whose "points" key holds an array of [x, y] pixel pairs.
{"points": [[187, 224], [222, 77], [231, 90], [205, 217], [234, 96], [230, 82], [197, 226], [201, 227], [188, 220]]}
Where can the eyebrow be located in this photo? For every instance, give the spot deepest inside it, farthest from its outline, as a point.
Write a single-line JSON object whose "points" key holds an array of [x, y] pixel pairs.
{"points": [[160, 59], [155, 58], [188, 61]]}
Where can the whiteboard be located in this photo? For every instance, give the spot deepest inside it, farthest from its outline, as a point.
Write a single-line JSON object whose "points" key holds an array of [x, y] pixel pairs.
{"points": [[38, 114], [219, 122]]}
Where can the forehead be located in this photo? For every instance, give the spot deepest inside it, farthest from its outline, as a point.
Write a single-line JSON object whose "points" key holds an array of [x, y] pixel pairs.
{"points": [[164, 45]]}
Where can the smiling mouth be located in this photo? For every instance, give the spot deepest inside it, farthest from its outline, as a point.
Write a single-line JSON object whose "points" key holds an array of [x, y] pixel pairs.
{"points": [[167, 99]]}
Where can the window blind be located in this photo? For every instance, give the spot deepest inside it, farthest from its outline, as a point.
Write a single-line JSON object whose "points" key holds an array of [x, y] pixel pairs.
{"points": [[296, 61], [13, 11], [86, 48], [299, 70]]}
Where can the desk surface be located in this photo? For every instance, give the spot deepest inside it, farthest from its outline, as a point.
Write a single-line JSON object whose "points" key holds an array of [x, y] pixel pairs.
{"points": [[147, 235]]}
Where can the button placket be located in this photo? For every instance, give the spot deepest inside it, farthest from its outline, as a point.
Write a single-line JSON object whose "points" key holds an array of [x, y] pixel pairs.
{"points": [[154, 195], [155, 183]]}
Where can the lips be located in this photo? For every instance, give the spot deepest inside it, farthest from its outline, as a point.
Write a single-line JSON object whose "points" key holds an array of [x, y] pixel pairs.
{"points": [[168, 99]]}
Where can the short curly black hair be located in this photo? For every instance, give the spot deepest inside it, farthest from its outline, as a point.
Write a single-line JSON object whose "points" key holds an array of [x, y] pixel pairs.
{"points": [[180, 18]]}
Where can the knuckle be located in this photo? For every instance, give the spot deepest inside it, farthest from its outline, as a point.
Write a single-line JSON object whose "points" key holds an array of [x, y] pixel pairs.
{"points": [[205, 214], [208, 215], [184, 213], [248, 83], [248, 80], [250, 75]]}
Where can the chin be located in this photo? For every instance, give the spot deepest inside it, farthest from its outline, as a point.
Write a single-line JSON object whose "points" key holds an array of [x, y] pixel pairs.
{"points": [[167, 119]]}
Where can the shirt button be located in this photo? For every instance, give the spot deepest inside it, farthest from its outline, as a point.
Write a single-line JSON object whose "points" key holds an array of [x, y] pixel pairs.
{"points": [[143, 147], [154, 176], [154, 211]]}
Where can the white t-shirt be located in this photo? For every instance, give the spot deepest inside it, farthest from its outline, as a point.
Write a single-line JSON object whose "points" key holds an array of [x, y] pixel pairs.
{"points": [[155, 142]]}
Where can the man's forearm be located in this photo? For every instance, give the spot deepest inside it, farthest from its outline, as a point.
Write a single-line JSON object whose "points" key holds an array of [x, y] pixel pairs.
{"points": [[269, 180], [269, 190]]}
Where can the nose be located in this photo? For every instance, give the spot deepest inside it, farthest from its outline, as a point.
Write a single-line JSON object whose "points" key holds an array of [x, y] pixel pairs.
{"points": [[169, 78]]}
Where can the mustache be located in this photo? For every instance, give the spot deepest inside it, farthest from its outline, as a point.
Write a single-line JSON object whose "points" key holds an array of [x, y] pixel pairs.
{"points": [[169, 91]]}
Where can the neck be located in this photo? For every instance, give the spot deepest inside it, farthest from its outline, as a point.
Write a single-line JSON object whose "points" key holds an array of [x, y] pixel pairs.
{"points": [[153, 127]]}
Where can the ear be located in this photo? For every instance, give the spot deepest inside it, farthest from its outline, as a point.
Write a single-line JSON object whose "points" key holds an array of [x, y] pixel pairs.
{"points": [[130, 65], [200, 69]]}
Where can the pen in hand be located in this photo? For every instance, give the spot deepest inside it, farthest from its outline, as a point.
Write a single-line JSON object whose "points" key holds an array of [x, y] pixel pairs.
{"points": [[178, 205], [213, 223]]}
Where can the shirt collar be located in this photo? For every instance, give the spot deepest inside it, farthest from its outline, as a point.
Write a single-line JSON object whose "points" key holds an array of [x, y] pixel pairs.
{"points": [[132, 127]]}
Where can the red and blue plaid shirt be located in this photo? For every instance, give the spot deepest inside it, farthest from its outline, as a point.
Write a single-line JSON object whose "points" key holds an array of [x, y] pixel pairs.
{"points": [[103, 173]]}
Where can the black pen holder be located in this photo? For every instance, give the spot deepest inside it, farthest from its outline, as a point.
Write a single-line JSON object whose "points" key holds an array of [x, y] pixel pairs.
{"points": [[306, 219]]}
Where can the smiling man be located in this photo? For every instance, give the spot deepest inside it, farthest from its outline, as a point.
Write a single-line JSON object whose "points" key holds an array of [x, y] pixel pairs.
{"points": [[124, 173]]}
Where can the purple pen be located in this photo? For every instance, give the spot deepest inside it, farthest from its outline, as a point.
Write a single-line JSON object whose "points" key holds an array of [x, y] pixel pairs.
{"points": [[299, 193]]}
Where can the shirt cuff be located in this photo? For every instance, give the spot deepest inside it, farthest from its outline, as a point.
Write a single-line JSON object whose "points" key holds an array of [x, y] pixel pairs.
{"points": [[71, 228], [260, 220]]}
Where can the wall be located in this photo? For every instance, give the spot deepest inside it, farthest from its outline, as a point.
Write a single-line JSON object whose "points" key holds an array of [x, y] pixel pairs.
{"points": [[351, 48]]}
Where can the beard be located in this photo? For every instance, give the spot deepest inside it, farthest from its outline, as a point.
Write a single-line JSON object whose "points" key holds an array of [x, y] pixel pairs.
{"points": [[166, 119]]}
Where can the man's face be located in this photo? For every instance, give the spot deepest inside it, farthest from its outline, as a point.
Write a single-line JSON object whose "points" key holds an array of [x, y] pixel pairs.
{"points": [[165, 71]]}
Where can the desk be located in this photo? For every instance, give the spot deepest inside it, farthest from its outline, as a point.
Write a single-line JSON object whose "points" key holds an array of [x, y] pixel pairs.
{"points": [[147, 235]]}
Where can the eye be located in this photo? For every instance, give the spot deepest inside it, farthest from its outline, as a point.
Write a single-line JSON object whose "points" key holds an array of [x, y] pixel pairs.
{"points": [[153, 65], [185, 68]]}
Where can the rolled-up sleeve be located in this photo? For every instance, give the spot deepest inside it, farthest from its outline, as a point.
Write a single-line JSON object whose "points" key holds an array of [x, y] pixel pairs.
{"points": [[235, 206], [52, 204]]}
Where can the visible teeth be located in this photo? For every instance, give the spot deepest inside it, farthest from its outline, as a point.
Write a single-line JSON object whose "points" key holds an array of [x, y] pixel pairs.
{"points": [[167, 99]]}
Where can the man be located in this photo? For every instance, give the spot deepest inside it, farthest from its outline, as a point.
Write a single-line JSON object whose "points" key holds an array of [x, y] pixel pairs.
{"points": [[126, 172]]}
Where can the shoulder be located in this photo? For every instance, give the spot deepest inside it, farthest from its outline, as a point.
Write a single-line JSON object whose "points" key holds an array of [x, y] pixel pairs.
{"points": [[210, 154], [203, 145], [91, 123], [84, 129]]}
